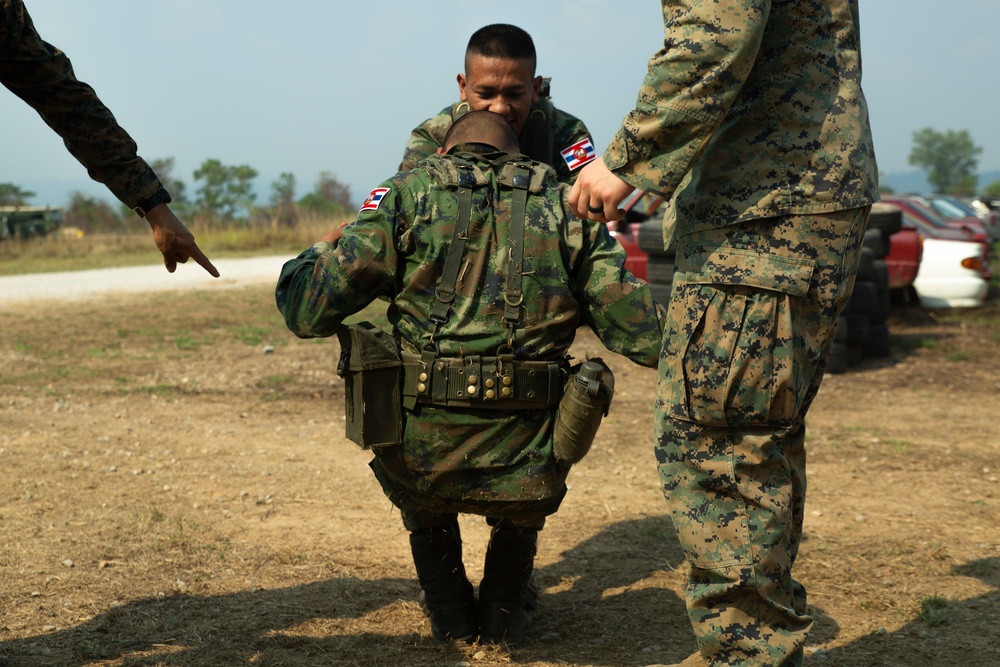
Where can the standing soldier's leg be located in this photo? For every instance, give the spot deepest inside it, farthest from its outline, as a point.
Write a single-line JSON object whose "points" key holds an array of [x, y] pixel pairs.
{"points": [[749, 328]]}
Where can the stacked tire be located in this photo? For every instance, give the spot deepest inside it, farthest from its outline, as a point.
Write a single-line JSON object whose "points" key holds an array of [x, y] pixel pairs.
{"points": [[862, 330], [660, 265]]}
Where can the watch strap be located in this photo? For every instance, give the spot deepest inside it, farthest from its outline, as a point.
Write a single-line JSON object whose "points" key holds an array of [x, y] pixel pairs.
{"points": [[161, 196]]}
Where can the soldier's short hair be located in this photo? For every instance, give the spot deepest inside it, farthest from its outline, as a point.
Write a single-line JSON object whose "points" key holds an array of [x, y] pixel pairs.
{"points": [[501, 40], [482, 127]]}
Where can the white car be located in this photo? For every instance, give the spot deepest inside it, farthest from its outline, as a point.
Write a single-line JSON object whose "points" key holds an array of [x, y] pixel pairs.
{"points": [[951, 274]]}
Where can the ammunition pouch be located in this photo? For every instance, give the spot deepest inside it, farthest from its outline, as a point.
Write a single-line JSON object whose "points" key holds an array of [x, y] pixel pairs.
{"points": [[370, 365], [584, 405], [484, 382]]}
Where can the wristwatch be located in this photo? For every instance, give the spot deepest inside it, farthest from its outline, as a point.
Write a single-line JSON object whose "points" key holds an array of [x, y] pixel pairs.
{"points": [[161, 196]]}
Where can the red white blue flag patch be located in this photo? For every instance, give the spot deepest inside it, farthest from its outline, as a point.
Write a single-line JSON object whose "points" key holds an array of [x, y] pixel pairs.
{"points": [[374, 199], [578, 154]]}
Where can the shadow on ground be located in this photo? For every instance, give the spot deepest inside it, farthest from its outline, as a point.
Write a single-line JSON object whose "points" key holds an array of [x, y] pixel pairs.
{"points": [[599, 612], [929, 641], [606, 605]]}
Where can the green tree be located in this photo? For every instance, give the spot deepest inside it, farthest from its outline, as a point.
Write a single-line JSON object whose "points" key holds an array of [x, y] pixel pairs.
{"points": [[992, 190], [226, 190], [966, 186], [92, 215], [14, 195], [164, 168], [282, 210], [949, 158], [283, 189], [329, 197]]}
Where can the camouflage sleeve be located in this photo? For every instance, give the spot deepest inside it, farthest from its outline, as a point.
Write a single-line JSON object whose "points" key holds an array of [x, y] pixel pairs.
{"points": [[618, 306], [426, 139], [41, 75], [318, 289], [708, 52]]}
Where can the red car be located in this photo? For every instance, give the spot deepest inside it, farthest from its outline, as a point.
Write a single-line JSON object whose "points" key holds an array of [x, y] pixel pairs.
{"points": [[920, 208], [905, 245], [930, 224], [639, 207], [626, 232]]}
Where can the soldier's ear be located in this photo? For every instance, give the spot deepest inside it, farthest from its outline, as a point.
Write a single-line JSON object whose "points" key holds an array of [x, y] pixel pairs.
{"points": [[441, 151], [536, 89], [462, 84]]}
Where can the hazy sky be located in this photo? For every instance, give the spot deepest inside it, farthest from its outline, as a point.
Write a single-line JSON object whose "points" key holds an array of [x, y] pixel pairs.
{"points": [[306, 87]]}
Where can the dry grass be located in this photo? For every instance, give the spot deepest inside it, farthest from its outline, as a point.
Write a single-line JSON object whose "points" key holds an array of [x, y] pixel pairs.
{"points": [[69, 253], [174, 496]]}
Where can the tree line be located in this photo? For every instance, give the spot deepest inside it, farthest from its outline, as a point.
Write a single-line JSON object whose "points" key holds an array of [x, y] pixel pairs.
{"points": [[949, 160], [222, 193]]}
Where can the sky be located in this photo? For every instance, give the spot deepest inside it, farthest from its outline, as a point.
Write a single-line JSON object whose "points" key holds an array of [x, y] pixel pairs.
{"points": [[317, 86]]}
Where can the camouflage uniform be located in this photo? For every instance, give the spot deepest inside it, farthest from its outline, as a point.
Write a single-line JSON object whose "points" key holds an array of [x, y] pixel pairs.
{"points": [[483, 461], [41, 75], [752, 118], [541, 141]]}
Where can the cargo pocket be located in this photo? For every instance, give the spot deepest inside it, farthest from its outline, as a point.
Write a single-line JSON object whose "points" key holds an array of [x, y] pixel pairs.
{"points": [[733, 343]]}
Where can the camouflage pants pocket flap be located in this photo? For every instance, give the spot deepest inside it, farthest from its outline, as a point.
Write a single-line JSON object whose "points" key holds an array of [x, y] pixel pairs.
{"points": [[739, 266], [731, 345]]}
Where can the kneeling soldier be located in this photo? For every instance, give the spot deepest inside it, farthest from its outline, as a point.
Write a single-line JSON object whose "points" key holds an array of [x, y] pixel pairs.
{"points": [[488, 275]]}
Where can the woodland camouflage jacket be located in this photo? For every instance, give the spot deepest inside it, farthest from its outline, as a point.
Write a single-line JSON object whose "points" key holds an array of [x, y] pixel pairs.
{"points": [[573, 273]]}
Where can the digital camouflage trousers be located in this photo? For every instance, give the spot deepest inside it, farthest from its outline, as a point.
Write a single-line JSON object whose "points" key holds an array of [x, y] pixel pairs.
{"points": [[749, 329]]}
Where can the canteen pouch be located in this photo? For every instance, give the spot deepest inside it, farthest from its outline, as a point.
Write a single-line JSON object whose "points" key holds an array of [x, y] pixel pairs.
{"points": [[372, 369], [584, 404]]}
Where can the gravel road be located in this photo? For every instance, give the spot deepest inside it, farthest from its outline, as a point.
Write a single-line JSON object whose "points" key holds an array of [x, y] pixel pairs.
{"points": [[76, 285]]}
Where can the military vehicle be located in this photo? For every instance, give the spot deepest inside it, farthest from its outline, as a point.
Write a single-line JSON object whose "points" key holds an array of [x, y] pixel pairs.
{"points": [[25, 222]]}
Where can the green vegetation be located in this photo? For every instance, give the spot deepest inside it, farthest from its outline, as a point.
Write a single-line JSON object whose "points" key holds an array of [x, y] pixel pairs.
{"points": [[222, 214], [901, 447], [98, 251], [934, 610], [949, 158], [982, 567]]}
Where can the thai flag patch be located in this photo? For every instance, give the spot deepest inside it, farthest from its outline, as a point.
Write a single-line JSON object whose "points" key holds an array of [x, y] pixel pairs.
{"points": [[374, 199], [578, 154]]}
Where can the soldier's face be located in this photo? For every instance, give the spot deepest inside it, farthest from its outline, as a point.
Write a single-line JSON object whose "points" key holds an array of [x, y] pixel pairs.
{"points": [[503, 86]]}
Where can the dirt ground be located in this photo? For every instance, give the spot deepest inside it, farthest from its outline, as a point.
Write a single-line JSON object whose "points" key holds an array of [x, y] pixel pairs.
{"points": [[175, 489]]}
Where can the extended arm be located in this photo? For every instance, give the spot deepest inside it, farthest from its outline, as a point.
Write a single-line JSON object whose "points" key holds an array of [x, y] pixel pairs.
{"points": [[42, 75]]}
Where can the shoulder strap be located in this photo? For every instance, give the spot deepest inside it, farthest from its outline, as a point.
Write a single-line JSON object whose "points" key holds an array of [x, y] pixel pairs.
{"points": [[513, 296], [538, 138], [521, 182], [445, 291]]}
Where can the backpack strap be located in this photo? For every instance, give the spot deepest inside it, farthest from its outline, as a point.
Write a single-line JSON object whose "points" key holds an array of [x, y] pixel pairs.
{"points": [[445, 291], [513, 295], [538, 137]]}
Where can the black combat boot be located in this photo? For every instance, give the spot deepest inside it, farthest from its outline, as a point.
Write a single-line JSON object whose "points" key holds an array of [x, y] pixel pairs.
{"points": [[507, 596], [446, 596]]}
